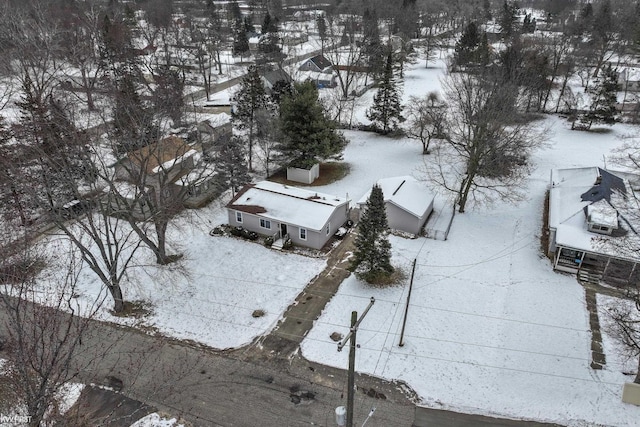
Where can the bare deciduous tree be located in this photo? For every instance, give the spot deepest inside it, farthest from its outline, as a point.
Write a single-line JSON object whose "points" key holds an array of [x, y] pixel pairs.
{"points": [[426, 118], [625, 327], [44, 327], [486, 149]]}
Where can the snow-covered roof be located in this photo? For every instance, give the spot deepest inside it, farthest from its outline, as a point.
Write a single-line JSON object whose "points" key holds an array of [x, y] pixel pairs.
{"points": [[162, 154], [172, 162], [291, 205], [404, 192], [629, 74], [602, 213], [580, 194]]}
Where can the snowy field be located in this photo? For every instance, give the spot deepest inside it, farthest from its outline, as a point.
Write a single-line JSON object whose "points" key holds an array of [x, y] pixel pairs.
{"points": [[491, 328]]}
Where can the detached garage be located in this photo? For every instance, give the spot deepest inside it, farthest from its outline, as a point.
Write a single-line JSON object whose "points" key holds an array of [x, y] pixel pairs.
{"points": [[408, 203]]}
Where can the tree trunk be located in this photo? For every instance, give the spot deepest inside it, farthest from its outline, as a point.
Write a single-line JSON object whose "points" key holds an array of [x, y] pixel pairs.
{"points": [[116, 293], [161, 248], [637, 378], [87, 90], [564, 86], [463, 193]]}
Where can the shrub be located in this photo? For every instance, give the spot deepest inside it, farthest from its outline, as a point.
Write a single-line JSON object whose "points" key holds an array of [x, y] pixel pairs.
{"points": [[268, 241], [238, 231], [288, 244]]}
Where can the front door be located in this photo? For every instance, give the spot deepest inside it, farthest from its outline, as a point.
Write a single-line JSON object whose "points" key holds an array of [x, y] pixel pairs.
{"points": [[283, 230]]}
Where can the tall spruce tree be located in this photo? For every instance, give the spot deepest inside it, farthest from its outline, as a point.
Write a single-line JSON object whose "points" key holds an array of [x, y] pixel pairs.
{"points": [[603, 106], [372, 256], [240, 39], [249, 100], [509, 20], [372, 45], [386, 111], [308, 134], [231, 164]]}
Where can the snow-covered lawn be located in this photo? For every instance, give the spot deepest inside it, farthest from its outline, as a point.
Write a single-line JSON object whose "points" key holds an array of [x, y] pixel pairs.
{"points": [[491, 328], [210, 295]]}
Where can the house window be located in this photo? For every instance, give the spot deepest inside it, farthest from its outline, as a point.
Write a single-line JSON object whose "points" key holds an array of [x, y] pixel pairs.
{"points": [[303, 234], [328, 229], [238, 216], [265, 223]]}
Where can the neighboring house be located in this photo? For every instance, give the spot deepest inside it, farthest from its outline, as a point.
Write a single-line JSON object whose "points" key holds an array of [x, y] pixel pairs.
{"points": [[309, 218], [293, 38], [408, 204], [212, 136], [157, 163], [593, 223], [271, 77], [629, 79], [172, 166], [318, 63], [321, 80]]}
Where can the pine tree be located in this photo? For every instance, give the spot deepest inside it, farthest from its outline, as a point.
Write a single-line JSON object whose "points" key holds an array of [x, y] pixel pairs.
{"points": [[603, 106], [240, 39], [372, 256], [508, 20], [270, 43], [372, 48], [133, 122], [250, 98], [386, 111], [471, 47], [231, 164], [308, 134]]}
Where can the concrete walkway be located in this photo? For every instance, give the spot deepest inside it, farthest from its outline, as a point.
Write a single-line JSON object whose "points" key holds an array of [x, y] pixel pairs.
{"points": [[298, 320]]}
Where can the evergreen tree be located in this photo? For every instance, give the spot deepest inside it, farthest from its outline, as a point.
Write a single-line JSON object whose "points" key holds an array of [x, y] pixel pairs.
{"points": [[372, 46], [233, 12], [240, 39], [133, 122], [168, 94], [308, 134], [322, 31], [269, 24], [269, 47], [529, 24], [603, 106], [249, 100], [372, 256], [508, 20], [49, 149], [486, 8], [231, 164], [386, 111], [472, 48]]}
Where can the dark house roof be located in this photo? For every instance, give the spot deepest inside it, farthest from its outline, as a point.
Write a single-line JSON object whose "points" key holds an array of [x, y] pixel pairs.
{"points": [[276, 75], [605, 184], [320, 61]]}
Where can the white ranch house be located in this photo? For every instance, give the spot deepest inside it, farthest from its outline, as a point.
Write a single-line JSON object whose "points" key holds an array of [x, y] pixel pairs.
{"points": [[309, 218], [593, 224], [408, 203]]}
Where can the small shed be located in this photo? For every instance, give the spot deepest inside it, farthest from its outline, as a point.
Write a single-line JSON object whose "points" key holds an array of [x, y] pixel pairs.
{"points": [[408, 203]]}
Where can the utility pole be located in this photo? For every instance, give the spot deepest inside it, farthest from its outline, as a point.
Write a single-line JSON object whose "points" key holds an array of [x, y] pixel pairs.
{"points": [[351, 336]]}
